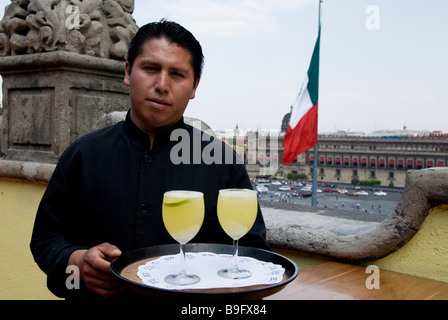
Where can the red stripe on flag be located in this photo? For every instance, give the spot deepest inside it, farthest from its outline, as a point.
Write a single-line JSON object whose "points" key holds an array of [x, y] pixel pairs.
{"points": [[302, 138]]}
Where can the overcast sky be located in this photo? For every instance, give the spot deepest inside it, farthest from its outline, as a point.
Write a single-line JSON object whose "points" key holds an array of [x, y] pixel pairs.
{"points": [[387, 74]]}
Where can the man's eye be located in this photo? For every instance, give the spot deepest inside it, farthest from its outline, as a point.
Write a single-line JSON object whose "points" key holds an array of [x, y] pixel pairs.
{"points": [[178, 74], [150, 69]]}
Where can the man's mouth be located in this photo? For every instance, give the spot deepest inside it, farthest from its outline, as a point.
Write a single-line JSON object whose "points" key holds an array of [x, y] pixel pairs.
{"points": [[160, 103]]}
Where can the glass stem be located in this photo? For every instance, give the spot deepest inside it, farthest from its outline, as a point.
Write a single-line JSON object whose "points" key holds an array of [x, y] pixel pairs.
{"points": [[235, 256], [182, 261]]}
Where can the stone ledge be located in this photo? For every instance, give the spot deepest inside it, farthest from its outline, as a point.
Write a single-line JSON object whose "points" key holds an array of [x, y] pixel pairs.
{"points": [[363, 241], [320, 211], [28, 171], [61, 60]]}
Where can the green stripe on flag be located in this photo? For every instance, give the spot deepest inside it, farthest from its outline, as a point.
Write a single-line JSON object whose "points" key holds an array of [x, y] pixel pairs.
{"points": [[313, 73]]}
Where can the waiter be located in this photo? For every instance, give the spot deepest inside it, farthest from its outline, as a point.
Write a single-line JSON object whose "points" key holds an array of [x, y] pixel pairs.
{"points": [[105, 196]]}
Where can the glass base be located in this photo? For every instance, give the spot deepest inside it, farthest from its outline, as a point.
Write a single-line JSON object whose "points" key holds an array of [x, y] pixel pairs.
{"points": [[182, 279], [234, 273]]}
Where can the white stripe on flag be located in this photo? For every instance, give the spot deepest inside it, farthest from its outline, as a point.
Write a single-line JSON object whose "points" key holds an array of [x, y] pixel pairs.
{"points": [[302, 105]]}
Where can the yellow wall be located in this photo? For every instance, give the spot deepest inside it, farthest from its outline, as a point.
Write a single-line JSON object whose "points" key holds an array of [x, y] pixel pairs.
{"points": [[426, 254], [20, 277]]}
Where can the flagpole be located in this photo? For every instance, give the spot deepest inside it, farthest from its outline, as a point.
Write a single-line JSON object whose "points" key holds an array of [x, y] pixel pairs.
{"points": [[316, 147]]}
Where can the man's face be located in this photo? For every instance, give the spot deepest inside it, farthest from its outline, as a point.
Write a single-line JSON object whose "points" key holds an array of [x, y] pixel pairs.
{"points": [[161, 84]]}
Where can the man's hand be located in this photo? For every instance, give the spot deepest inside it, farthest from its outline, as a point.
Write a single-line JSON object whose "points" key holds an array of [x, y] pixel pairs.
{"points": [[94, 267]]}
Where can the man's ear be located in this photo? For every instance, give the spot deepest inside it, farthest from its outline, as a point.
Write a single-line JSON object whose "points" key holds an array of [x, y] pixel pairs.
{"points": [[127, 74], [193, 93]]}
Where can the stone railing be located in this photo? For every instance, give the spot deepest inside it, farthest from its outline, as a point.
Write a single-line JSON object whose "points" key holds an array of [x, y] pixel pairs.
{"points": [[323, 236], [424, 190]]}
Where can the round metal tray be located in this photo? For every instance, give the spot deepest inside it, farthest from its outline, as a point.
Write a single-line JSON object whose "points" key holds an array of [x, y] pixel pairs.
{"points": [[125, 266]]}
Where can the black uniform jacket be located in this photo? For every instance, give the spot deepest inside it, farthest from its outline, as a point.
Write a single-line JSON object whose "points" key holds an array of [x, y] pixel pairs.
{"points": [[108, 186]]}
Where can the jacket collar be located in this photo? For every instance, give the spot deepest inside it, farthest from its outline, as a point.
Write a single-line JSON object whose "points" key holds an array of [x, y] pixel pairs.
{"points": [[142, 138]]}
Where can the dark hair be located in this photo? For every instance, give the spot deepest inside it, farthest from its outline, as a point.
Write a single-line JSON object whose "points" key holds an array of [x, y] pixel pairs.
{"points": [[174, 33]]}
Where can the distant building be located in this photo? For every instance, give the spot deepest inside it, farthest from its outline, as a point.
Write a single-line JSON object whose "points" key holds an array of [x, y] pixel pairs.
{"points": [[387, 158], [343, 156], [381, 155]]}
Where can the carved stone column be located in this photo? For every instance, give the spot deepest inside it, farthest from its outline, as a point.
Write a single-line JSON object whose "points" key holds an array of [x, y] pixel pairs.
{"points": [[62, 63], [50, 99]]}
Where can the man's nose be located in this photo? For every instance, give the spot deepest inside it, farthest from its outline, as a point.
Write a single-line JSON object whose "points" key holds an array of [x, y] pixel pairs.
{"points": [[162, 82]]}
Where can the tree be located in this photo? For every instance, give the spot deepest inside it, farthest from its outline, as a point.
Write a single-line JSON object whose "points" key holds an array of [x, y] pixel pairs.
{"points": [[301, 176]]}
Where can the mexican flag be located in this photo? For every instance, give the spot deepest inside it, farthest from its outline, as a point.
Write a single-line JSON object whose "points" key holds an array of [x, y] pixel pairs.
{"points": [[302, 131]]}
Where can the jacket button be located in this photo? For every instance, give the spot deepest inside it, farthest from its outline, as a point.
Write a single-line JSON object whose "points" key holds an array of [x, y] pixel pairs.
{"points": [[148, 158], [143, 208]]}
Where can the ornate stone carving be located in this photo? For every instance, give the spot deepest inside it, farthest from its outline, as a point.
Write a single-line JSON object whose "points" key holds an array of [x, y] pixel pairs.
{"points": [[102, 28]]}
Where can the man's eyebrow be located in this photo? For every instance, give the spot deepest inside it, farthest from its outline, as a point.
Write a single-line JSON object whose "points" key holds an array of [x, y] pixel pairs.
{"points": [[180, 70], [147, 61]]}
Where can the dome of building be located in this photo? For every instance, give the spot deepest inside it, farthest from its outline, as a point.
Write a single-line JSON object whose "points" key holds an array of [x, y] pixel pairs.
{"points": [[285, 122]]}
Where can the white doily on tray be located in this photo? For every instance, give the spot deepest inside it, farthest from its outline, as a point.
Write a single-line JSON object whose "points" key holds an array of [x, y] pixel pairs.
{"points": [[206, 265]]}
